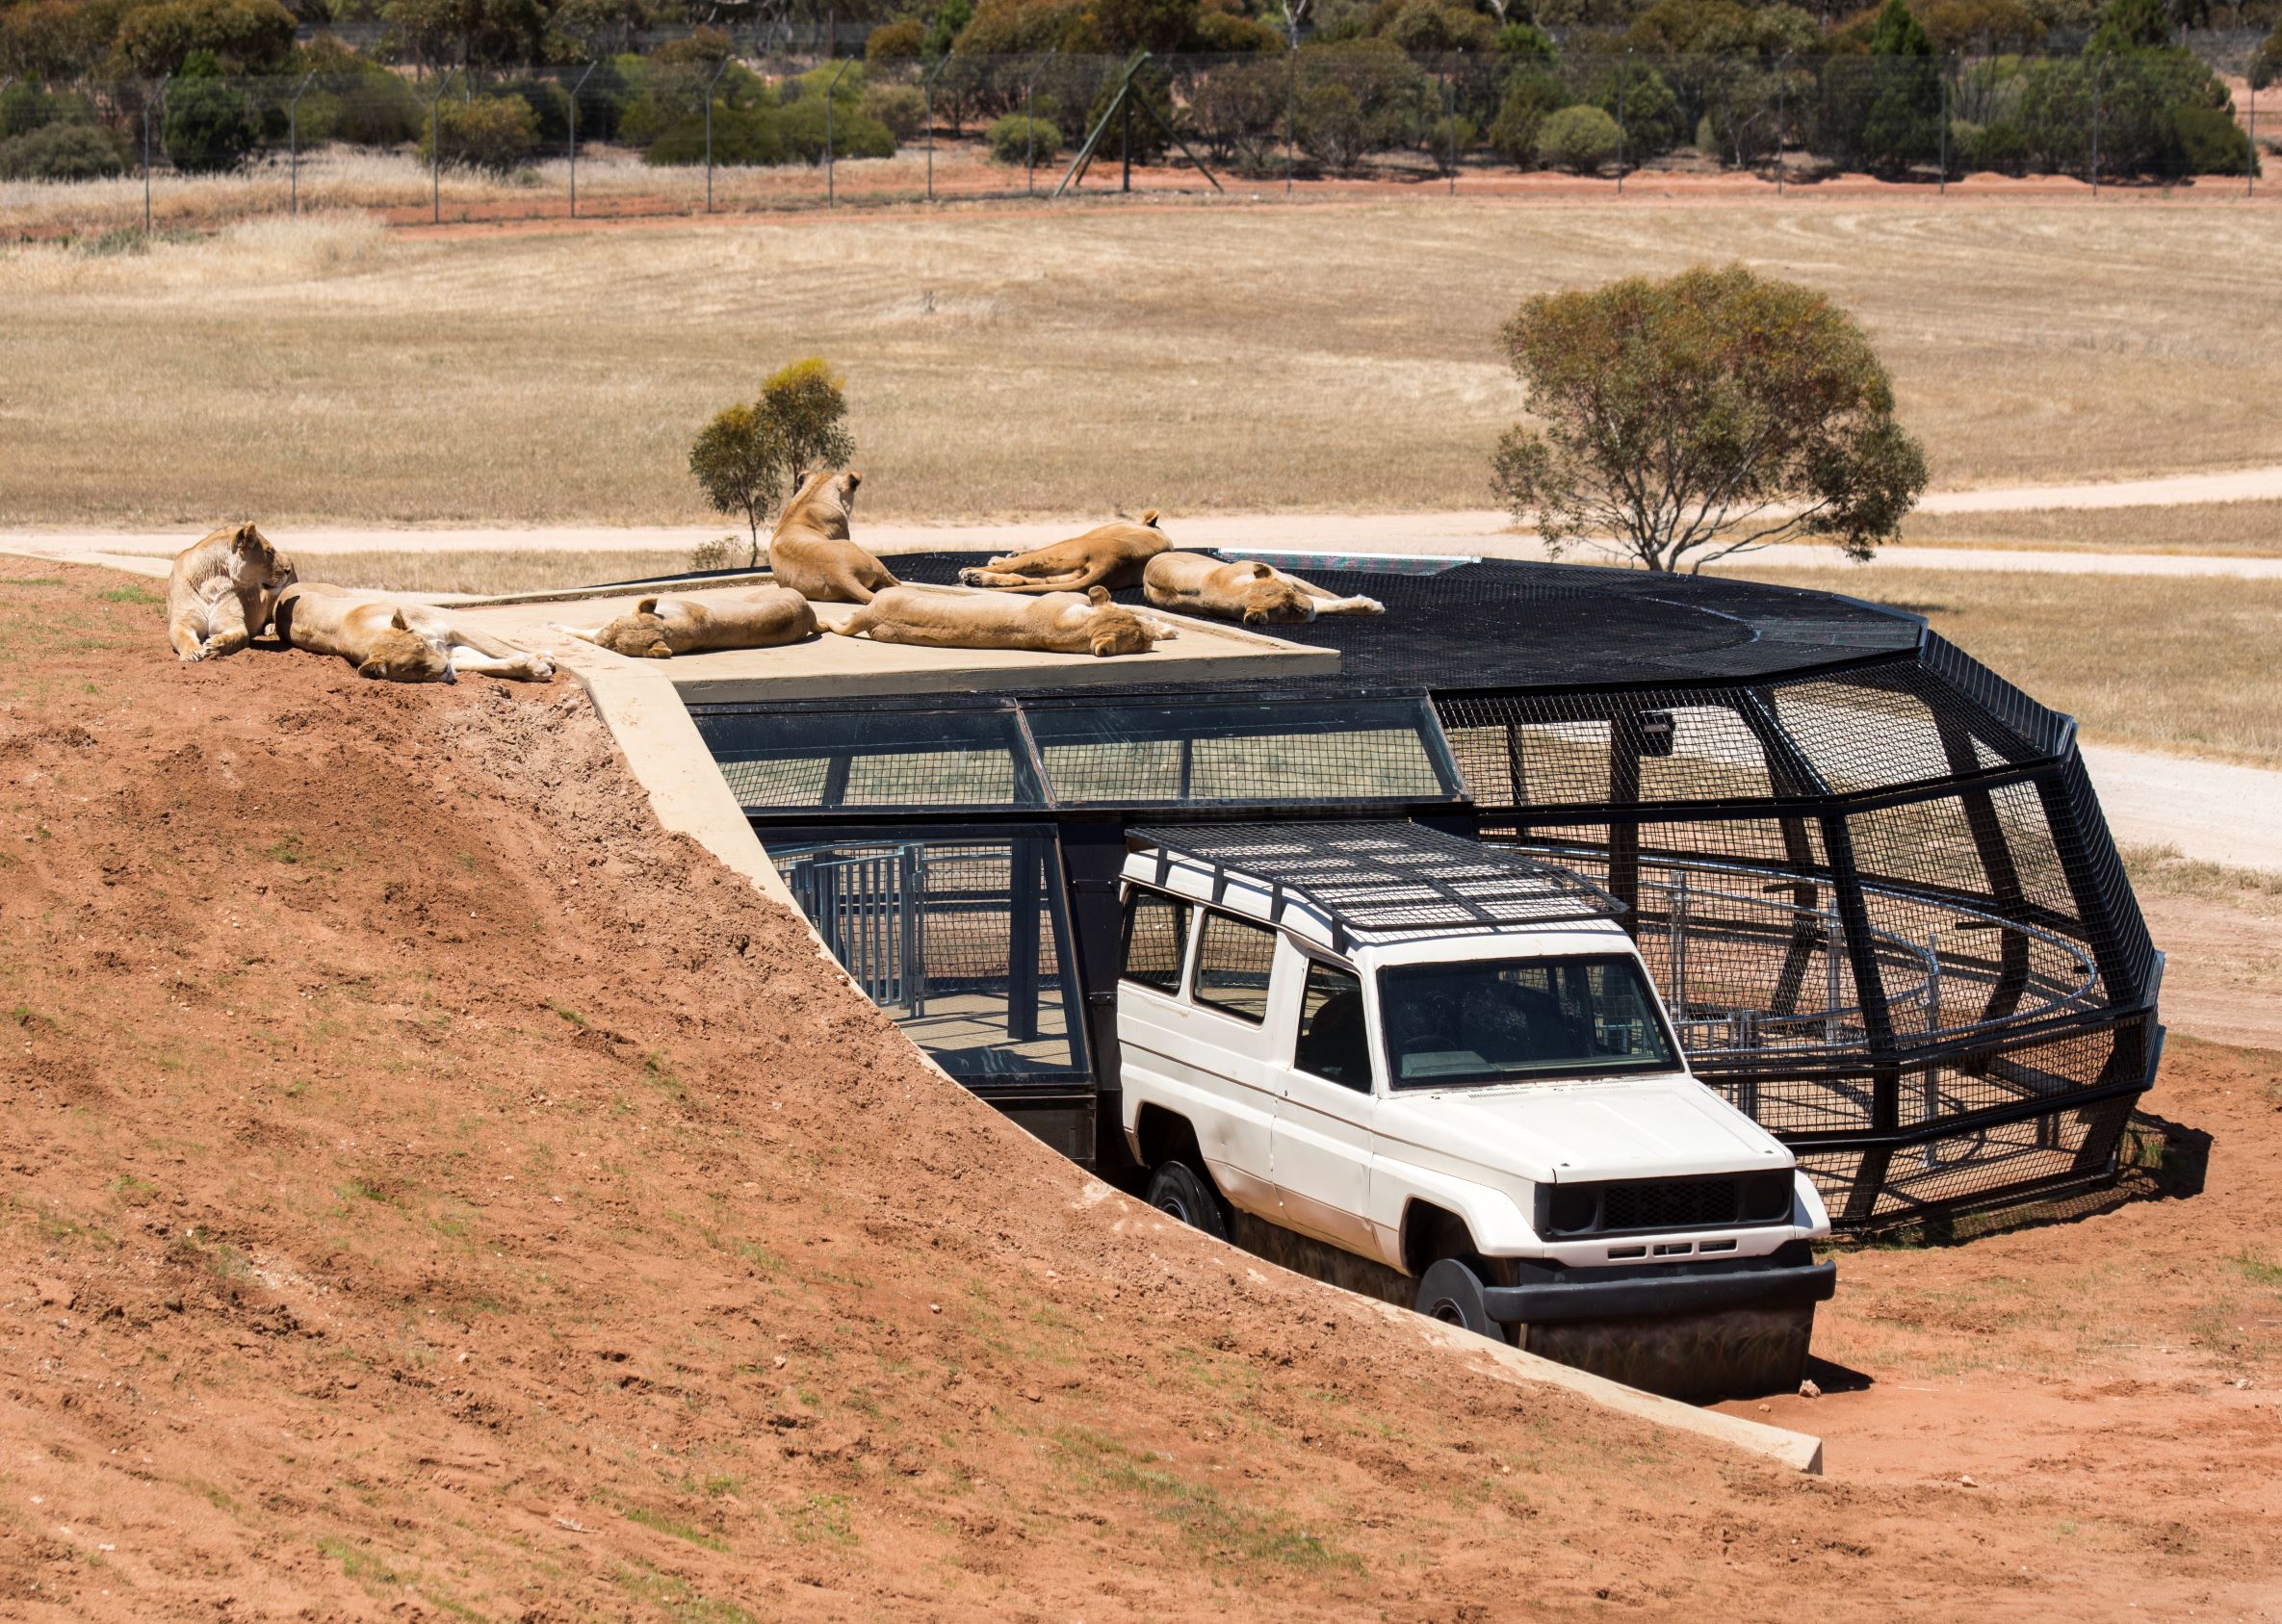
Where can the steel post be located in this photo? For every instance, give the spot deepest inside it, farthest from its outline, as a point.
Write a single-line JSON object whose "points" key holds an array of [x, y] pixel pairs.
{"points": [[1291, 96], [1624, 73], [573, 136], [293, 138], [831, 197]]}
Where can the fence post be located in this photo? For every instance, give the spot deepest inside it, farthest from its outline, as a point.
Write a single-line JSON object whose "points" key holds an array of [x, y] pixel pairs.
{"points": [[155, 95], [293, 138], [2250, 165], [1624, 73], [1450, 125], [435, 150], [1944, 182], [927, 87], [1029, 142], [573, 136], [709, 129], [1291, 96], [2095, 150], [1782, 113], [831, 198]]}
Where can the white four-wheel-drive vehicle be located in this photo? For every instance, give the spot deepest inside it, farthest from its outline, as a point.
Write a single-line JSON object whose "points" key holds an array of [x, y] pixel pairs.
{"points": [[1436, 1070]]}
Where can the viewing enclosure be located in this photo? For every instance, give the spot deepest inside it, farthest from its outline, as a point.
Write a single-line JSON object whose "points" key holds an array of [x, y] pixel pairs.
{"points": [[1869, 876]]}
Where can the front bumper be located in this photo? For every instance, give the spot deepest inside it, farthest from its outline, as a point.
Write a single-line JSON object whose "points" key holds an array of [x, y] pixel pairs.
{"points": [[1548, 1293]]}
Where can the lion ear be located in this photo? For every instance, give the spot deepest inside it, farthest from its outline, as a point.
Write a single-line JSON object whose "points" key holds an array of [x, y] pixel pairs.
{"points": [[658, 651], [248, 533], [1097, 595], [397, 622], [1149, 518], [1255, 617], [646, 606], [1260, 572]]}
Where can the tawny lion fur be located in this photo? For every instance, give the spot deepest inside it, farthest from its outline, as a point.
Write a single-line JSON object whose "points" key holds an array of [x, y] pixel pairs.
{"points": [[1110, 555], [1058, 622], [221, 591], [810, 551], [1246, 590], [395, 642], [661, 628]]}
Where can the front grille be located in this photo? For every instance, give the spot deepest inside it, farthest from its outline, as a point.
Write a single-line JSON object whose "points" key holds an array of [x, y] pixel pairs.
{"points": [[1639, 1206]]}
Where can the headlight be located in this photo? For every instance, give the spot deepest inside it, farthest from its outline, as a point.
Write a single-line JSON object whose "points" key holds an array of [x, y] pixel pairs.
{"points": [[1575, 1206], [1767, 1197]]}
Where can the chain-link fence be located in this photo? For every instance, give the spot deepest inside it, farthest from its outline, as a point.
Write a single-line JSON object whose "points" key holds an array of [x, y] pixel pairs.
{"points": [[695, 129]]}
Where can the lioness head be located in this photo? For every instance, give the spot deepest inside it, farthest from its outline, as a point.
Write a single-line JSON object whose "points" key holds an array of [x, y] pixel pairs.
{"points": [[401, 654], [640, 636], [253, 561], [1111, 629], [1268, 600], [825, 499]]}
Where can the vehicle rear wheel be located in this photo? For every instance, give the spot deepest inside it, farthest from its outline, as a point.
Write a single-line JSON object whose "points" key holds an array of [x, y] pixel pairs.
{"points": [[1180, 1191], [1450, 1291]]}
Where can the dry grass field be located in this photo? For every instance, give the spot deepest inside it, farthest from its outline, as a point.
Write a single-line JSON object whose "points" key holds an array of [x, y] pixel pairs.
{"points": [[1011, 361], [2185, 664], [2213, 527]]}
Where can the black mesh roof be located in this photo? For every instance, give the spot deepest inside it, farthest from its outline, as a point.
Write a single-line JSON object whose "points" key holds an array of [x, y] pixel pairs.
{"points": [[1382, 878], [1503, 625]]}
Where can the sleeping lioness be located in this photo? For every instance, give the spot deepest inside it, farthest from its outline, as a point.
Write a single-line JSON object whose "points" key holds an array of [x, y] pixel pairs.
{"points": [[810, 551], [221, 592], [1109, 556], [395, 642], [1058, 622], [1246, 590], [661, 628]]}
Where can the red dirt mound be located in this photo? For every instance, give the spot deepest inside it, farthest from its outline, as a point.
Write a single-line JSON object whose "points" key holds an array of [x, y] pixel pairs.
{"points": [[435, 1190]]}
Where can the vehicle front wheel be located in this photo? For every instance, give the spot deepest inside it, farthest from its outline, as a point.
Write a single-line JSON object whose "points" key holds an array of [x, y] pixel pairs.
{"points": [[1450, 1291], [1180, 1191]]}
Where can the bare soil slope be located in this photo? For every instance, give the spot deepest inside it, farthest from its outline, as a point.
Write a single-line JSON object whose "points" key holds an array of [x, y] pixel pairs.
{"points": [[432, 1189]]}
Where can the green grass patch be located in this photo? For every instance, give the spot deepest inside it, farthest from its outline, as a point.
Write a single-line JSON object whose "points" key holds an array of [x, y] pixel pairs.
{"points": [[671, 1598], [134, 592], [821, 1518], [1226, 1534], [666, 1524], [2258, 1271]]}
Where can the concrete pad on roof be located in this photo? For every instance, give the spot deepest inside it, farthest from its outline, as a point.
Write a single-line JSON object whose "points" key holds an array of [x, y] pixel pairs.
{"points": [[832, 667]]}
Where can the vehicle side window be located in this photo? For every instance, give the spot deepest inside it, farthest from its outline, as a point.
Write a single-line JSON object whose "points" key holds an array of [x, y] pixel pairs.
{"points": [[1233, 957], [1332, 1042], [1156, 940]]}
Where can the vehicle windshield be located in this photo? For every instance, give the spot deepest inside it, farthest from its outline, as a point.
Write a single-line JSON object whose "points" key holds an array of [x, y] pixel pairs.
{"points": [[1509, 1020]]}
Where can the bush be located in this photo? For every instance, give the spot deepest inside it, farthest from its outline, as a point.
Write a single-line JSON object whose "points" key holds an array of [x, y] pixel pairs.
{"points": [[1230, 34], [741, 136], [800, 126], [210, 124], [244, 35], [1009, 138], [1647, 112], [550, 108], [1531, 96], [1577, 138], [896, 41], [498, 133], [60, 152], [25, 108], [901, 107]]}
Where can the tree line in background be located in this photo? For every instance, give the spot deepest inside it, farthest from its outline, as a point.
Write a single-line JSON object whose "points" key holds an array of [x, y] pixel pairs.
{"points": [[1938, 87]]}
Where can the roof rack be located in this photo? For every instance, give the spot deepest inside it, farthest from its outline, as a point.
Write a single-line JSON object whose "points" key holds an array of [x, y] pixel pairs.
{"points": [[1379, 878]]}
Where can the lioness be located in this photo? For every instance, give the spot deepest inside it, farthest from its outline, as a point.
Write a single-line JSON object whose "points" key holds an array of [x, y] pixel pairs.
{"points": [[221, 592], [395, 642], [1246, 590], [1109, 556], [810, 551], [1059, 623], [661, 628]]}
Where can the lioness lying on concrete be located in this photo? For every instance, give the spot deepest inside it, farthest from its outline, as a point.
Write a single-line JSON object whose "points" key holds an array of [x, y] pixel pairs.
{"points": [[1246, 590], [1109, 556], [396, 642], [221, 592], [810, 551], [1059, 623], [661, 628]]}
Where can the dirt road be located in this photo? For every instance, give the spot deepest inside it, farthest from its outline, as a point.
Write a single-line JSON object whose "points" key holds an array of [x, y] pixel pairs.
{"points": [[435, 1190]]}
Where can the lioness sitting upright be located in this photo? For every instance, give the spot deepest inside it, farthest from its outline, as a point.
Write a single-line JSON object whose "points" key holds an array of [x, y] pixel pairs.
{"points": [[1245, 590], [810, 551], [661, 628], [395, 642], [1110, 555], [221, 592], [1058, 622]]}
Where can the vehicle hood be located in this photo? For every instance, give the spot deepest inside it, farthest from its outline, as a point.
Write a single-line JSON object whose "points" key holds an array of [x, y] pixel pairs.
{"points": [[1561, 1133]]}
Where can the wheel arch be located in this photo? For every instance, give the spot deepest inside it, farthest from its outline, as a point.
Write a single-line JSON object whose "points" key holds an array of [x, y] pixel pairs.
{"points": [[1161, 1134]]}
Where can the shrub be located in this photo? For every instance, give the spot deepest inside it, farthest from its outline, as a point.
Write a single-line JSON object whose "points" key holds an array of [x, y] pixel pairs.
{"points": [[60, 152], [892, 42], [1647, 111], [244, 35], [210, 124], [800, 126], [1531, 95], [1577, 138], [550, 108], [1524, 41], [1009, 138], [2265, 67], [901, 107], [1232, 34], [1329, 124], [497, 132], [741, 136], [25, 108]]}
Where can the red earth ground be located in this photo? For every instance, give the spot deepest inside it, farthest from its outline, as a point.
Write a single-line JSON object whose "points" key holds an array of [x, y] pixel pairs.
{"points": [[433, 1190]]}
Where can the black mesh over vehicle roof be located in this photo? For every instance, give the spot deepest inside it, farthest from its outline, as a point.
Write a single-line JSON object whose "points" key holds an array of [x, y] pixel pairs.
{"points": [[1381, 879], [1502, 625]]}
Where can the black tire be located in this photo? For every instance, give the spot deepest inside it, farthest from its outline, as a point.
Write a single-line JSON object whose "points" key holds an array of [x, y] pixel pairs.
{"points": [[1180, 1191], [1450, 1291]]}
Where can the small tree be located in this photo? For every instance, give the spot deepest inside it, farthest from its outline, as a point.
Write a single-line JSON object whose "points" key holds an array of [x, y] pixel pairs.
{"points": [[747, 455], [1709, 414]]}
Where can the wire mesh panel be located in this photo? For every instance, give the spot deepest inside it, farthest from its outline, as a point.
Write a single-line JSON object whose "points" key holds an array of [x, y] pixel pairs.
{"points": [[1132, 754], [874, 758]]}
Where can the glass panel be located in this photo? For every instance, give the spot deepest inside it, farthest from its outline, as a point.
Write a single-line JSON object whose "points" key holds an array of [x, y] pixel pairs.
{"points": [[964, 940], [1234, 959], [1507, 1021], [854, 758], [1156, 940], [1309, 753], [1333, 1044]]}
